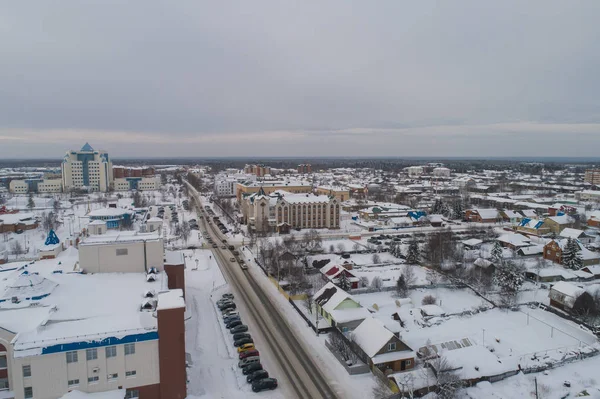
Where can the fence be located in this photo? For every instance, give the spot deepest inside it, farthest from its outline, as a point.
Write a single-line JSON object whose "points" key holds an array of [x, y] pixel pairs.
{"points": [[307, 320], [352, 370]]}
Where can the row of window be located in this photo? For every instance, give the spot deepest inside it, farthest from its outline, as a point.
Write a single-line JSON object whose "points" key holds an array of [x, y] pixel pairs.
{"points": [[92, 353]]}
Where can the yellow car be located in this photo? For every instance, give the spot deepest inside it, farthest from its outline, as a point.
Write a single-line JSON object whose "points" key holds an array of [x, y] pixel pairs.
{"points": [[245, 347]]}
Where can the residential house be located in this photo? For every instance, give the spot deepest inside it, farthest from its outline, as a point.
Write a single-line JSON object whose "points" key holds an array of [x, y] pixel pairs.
{"points": [[556, 224], [533, 226], [514, 241], [594, 220], [333, 273], [553, 251], [12, 222], [563, 295], [482, 215], [511, 216], [384, 350], [576, 234], [339, 308]]}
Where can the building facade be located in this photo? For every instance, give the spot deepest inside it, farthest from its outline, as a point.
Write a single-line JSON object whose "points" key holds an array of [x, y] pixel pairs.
{"points": [[257, 170], [87, 169], [268, 187], [137, 183], [35, 186], [592, 176], [305, 168], [342, 194]]}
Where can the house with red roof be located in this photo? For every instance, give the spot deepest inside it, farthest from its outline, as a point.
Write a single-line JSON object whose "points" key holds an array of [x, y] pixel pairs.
{"points": [[333, 273]]}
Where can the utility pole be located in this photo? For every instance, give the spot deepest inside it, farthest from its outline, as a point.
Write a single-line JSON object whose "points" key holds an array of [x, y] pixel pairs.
{"points": [[536, 389]]}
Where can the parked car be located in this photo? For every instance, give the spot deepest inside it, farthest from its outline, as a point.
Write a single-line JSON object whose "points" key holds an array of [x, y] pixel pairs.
{"points": [[231, 312], [224, 241], [233, 323], [248, 361], [222, 302], [231, 247], [229, 319], [230, 306], [245, 348], [243, 341], [215, 246], [240, 336], [236, 253], [239, 329], [227, 295], [265, 383], [251, 368], [257, 375], [249, 353]]}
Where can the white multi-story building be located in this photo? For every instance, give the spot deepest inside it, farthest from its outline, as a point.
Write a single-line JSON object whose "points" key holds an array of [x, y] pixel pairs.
{"points": [[87, 168], [226, 184], [441, 172], [414, 171], [137, 183], [35, 186]]}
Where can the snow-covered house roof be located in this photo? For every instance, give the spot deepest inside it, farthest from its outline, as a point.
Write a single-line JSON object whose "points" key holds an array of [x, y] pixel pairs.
{"points": [[512, 214], [569, 232], [567, 293], [432, 310], [330, 296], [515, 239], [534, 224], [474, 362], [487, 213], [530, 213], [371, 335], [472, 242], [108, 212], [532, 250], [562, 219], [585, 253], [483, 263]]}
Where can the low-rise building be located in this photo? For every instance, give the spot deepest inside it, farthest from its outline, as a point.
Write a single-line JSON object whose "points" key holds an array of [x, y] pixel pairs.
{"points": [[482, 215], [563, 295], [341, 193], [12, 222], [41, 186], [144, 183], [339, 308], [114, 217], [554, 249], [594, 220], [557, 223]]}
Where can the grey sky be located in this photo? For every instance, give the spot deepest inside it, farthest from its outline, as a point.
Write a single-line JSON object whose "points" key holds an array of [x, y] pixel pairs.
{"points": [[231, 78]]}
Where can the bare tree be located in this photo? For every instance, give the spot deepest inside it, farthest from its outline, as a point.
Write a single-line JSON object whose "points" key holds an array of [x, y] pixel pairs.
{"points": [[376, 259], [410, 277], [381, 391], [364, 281], [376, 283], [356, 247], [17, 248], [341, 247], [342, 347], [428, 300], [447, 381]]}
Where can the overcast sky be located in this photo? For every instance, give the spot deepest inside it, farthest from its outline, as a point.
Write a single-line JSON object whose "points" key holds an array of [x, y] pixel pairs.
{"points": [[302, 78]]}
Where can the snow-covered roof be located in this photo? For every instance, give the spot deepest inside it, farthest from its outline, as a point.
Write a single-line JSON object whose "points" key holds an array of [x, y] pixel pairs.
{"points": [[16, 218], [371, 335], [472, 242], [432, 310], [563, 219], [475, 361], [487, 213], [483, 263], [569, 232], [532, 250], [115, 394], [120, 236], [154, 219], [518, 240], [174, 258], [108, 212], [568, 289], [330, 296], [304, 198], [512, 214], [28, 285], [97, 223], [172, 299]]}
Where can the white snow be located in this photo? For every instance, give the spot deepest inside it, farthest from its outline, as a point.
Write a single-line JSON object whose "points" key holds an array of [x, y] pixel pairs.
{"points": [[116, 394], [371, 336], [172, 299]]}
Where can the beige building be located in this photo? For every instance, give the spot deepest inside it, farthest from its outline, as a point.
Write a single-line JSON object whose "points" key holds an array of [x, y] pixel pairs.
{"points": [[281, 211], [35, 186], [291, 186], [137, 183], [258, 170], [341, 193], [122, 252], [87, 168], [592, 176]]}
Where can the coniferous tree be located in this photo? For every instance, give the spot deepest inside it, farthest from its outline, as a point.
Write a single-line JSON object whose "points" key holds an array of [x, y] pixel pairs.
{"points": [[496, 253], [401, 287], [413, 256], [344, 282]]}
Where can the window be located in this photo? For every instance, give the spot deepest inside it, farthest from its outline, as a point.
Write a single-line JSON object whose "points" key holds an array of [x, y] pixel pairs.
{"points": [[91, 354], [391, 346], [130, 373], [92, 380], [113, 376], [73, 383], [408, 362], [72, 357], [3, 383], [132, 394], [28, 392], [121, 251], [26, 371], [111, 351], [129, 349], [2, 362]]}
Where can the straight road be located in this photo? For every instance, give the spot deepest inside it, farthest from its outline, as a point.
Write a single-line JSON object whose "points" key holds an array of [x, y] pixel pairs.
{"points": [[293, 360]]}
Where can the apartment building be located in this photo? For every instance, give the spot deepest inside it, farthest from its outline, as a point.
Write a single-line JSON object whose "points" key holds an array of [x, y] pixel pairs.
{"points": [[137, 183], [282, 211], [305, 168], [226, 183], [257, 170], [87, 168], [291, 186], [120, 172], [592, 176]]}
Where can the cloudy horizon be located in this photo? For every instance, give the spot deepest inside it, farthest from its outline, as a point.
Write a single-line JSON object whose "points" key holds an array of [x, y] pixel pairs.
{"points": [[339, 78]]}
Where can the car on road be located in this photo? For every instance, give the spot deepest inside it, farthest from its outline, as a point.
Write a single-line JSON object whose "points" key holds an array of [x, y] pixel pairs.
{"points": [[240, 336], [243, 266], [225, 304], [243, 341], [265, 383], [232, 259], [250, 353], [257, 375], [239, 329], [231, 247], [251, 368], [248, 361], [224, 300], [224, 241], [215, 246], [223, 246], [246, 347], [233, 323], [231, 312], [236, 253], [227, 295]]}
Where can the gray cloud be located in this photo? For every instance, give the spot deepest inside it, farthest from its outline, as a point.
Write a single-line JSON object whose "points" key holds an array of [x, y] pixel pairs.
{"points": [[201, 78]]}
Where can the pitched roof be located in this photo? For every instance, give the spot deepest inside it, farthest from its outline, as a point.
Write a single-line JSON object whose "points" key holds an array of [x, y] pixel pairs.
{"points": [[568, 232], [87, 147], [330, 296], [568, 289], [371, 335]]}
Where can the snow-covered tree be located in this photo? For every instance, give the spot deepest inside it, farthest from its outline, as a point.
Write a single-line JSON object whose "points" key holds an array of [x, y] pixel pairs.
{"points": [[413, 256], [571, 255], [440, 207], [30, 202], [458, 210], [509, 278], [344, 282], [496, 253], [395, 249]]}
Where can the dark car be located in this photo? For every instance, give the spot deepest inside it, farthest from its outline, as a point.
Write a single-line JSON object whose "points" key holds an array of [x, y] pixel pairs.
{"points": [[229, 306], [227, 296], [221, 303], [233, 323], [231, 247], [251, 368], [249, 353], [19, 231], [215, 246], [239, 329], [229, 319], [240, 336], [243, 341], [257, 375], [265, 383]]}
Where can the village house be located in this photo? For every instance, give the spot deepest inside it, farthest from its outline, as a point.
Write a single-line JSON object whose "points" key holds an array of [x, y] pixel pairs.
{"points": [[594, 220], [482, 215], [553, 251], [339, 308], [576, 234], [514, 241], [384, 350], [533, 227], [556, 224], [511, 216], [13, 222], [333, 273], [563, 295]]}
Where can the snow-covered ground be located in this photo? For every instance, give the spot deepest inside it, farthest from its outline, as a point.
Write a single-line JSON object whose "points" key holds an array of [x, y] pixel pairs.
{"points": [[214, 372]]}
